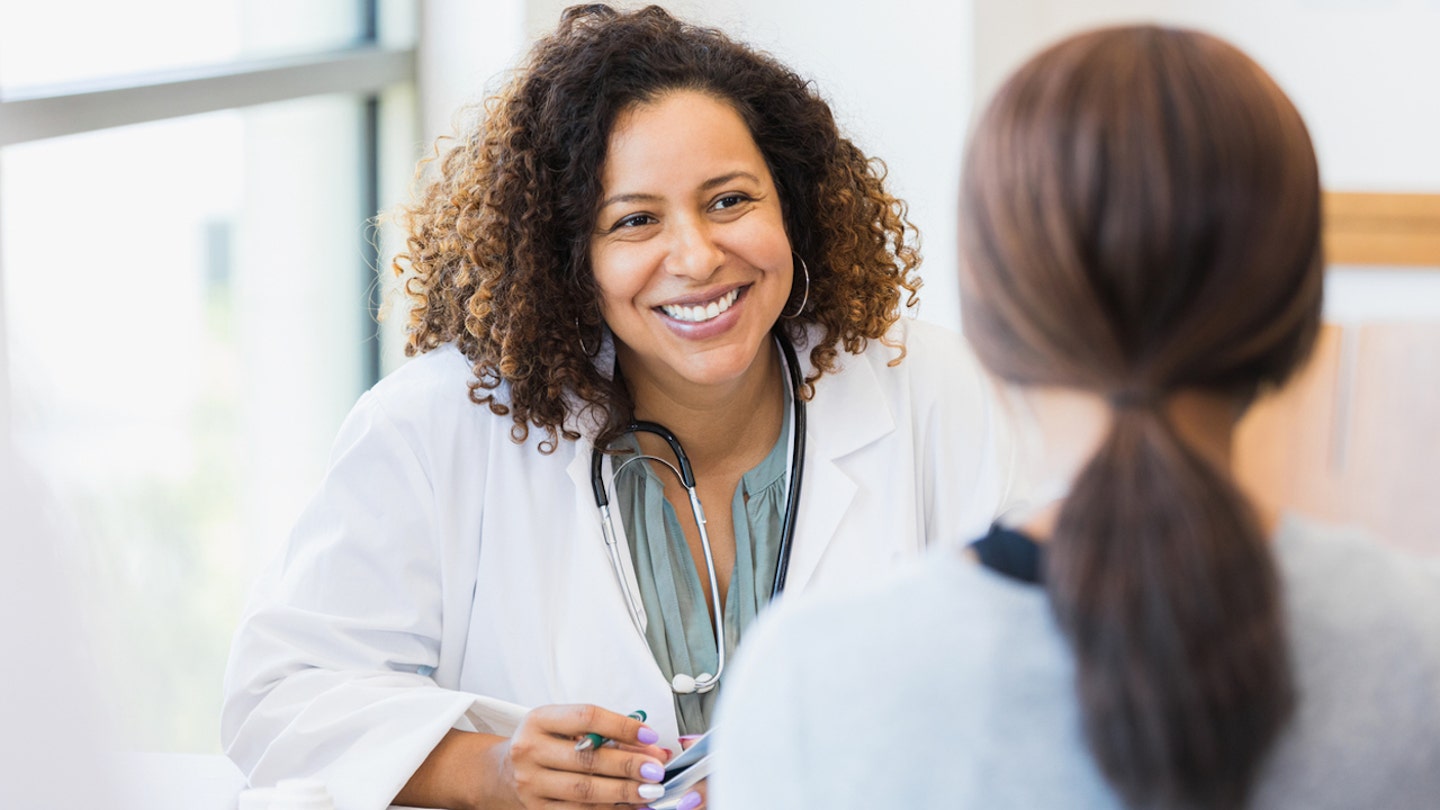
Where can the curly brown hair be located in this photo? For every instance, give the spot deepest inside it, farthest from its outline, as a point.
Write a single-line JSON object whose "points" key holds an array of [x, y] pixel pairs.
{"points": [[497, 250]]}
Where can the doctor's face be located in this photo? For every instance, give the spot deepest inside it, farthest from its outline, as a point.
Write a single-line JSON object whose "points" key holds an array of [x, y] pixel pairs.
{"points": [[689, 247]]}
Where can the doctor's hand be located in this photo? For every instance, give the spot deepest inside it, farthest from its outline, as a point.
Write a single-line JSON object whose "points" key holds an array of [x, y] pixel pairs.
{"points": [[541, 768]]}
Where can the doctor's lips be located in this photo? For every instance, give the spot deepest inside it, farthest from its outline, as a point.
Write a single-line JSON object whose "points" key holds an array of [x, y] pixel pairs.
{"points": [[703, 309]]}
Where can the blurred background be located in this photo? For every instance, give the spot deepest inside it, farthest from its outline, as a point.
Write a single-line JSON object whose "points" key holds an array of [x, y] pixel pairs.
{"points": [[190, 273]]}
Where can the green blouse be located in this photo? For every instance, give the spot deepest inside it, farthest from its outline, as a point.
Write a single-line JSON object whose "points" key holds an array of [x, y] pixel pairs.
{"points": [[673, 590]]}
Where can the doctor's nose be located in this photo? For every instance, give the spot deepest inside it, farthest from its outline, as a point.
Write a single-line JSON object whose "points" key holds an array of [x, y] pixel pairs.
{"points": [[694, 252]]}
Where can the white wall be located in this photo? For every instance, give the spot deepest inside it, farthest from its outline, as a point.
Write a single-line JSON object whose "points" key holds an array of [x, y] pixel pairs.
{"points": [[464, 45], [906, 76], [4, 357], [1362, 72]]}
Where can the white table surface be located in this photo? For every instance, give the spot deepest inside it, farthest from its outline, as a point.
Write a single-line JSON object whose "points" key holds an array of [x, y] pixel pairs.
{"points": [[179, 782]]}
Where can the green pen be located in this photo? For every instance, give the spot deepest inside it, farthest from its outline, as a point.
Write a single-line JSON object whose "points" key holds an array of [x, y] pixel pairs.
{"points": [[593, 740]]}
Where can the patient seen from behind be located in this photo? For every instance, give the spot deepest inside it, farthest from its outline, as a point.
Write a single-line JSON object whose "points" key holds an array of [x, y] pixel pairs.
{"points": [[1140, 220]]}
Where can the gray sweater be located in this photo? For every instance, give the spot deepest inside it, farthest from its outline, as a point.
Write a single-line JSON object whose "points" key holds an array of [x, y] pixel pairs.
{"points": [[952, 687]]}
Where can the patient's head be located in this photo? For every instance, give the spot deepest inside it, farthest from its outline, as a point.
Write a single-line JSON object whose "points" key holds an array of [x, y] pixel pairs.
{"points": [[1141, 213], [1141, 231]]}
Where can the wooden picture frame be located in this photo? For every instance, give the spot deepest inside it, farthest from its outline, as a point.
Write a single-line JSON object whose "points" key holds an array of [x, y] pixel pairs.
{"points": [[1393, 230]]}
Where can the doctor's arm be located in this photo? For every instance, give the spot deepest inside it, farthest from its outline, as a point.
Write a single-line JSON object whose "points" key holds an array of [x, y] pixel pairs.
{"points": [[329, 673]]}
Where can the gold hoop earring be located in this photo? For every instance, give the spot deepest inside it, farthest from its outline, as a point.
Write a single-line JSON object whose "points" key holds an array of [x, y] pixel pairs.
{"points": [[805, 299]]}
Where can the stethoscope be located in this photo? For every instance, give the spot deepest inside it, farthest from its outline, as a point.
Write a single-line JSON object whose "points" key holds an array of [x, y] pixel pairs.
{"points": [[683, 684]]}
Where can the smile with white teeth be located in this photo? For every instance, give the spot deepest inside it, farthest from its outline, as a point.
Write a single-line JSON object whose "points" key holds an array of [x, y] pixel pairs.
{"points": [[701, 312]]}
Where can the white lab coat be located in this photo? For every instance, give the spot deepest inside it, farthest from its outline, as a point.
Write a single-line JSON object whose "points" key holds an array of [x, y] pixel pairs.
{"points": [[440, 560]]}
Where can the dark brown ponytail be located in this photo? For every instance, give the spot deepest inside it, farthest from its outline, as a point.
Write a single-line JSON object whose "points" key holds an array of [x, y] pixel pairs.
{"points": [[1140, 218], [1161, 581]]}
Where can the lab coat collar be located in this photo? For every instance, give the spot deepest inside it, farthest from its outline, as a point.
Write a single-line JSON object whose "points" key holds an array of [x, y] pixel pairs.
{"points": [[847, 413]]}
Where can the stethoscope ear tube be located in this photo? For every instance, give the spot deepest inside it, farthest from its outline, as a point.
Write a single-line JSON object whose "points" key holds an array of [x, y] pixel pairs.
{"points": [[612, 548], [687, 475], [797, 469], [597, 485]]}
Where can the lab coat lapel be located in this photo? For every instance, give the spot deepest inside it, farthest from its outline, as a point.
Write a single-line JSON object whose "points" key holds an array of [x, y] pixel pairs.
{"points": [[588, 424], [626, 649], [579, 471], [846, 414]]}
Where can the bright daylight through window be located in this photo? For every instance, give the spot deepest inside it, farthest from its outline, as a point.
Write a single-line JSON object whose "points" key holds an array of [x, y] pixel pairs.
{"points": [[187, 275]]}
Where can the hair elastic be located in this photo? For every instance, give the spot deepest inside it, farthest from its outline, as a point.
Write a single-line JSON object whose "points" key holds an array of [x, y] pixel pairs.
{"points": [[1133, 399]]}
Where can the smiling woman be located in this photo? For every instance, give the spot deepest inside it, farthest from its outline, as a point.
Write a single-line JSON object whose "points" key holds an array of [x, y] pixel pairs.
{"points": [[640, 230], [696, 267]]}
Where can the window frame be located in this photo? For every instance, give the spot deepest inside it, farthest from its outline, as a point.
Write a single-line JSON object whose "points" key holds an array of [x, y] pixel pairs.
{"points": [[364, 69]]}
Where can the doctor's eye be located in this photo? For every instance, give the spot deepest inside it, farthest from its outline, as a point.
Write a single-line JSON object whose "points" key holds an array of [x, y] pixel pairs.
{"points": [[633, 221], [730, 201]]}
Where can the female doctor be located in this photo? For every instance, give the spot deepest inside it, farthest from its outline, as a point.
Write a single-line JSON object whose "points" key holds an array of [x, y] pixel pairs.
{"points": [[654, 251]]}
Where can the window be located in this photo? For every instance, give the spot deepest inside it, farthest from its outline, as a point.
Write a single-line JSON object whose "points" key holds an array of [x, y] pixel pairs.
{"points": [[74, 40], [187, 296]]}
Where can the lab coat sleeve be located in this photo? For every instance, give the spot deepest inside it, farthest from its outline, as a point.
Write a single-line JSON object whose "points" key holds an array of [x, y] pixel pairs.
{"points": [[328, 671]]}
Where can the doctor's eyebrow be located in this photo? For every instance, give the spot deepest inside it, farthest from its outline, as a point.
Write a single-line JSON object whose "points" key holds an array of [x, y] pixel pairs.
{"points": [[726, 178], [628, 198], [632, 197]]}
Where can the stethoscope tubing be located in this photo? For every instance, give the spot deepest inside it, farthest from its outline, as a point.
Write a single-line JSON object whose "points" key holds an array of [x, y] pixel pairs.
{"points": [[797, 469], [706, 682]]}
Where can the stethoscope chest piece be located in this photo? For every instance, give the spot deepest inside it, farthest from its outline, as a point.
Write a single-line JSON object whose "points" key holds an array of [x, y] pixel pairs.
{"points": [[683, 684]]}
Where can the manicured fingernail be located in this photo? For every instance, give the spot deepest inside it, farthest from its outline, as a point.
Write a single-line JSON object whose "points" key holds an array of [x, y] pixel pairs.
{"points": [[652, 772], [648, 736], [690, 801], [648, 792]]}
